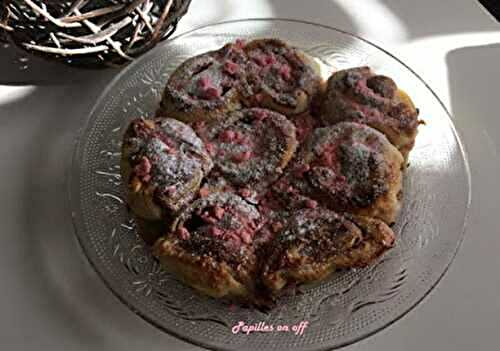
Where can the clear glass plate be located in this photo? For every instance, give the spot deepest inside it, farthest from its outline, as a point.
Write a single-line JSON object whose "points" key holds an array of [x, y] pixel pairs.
{"points": [[346, 308]]}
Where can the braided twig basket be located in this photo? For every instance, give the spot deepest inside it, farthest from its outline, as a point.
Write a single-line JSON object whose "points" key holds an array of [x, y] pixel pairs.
{"points": [[89, 33]]}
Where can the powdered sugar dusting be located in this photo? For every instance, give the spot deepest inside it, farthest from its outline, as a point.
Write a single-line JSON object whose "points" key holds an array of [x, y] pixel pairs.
{"points": [[171, 157]]}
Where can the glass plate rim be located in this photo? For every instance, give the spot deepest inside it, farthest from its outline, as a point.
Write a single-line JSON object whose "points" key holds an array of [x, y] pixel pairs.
{"points": [[73, 171]]}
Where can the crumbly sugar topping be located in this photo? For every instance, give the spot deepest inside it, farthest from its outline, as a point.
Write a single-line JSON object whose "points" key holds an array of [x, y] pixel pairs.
{"points": [[238, 183], [342, 166], [205, 80], [221, 225], [278, 70], [268, 67], [316, 234], [250, 146], [357, 94], [167, 156]]}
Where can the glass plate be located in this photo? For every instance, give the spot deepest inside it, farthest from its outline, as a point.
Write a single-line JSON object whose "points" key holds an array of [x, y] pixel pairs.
{"points": [[344, 309]]}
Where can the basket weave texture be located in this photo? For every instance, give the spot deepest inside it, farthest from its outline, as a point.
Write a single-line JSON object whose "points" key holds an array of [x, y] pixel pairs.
{"points": [[89, 33]]}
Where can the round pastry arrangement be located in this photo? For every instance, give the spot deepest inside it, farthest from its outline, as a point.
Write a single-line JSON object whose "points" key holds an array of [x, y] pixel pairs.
{"points": [[256, 176]]}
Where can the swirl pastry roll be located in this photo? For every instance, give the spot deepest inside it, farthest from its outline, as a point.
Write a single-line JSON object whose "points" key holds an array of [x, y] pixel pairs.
{"points": [[211, 246], [251, 147], [163, 163], [206, 86], [359, 95], [280, 77], [316, 242], [349, 167]]}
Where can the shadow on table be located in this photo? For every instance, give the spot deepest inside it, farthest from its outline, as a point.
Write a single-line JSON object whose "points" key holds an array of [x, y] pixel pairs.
{"points": [[63, 287], [473, 77], [429, 17], [50, 256], [16, 68], [421, 18], [317, 11], [67, 291]]}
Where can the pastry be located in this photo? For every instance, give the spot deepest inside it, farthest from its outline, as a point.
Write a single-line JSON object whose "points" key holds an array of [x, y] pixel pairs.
{"points": [[281, 78], [359, 95], [163, 163], [255, 177], [348, 167], [263, 73], [206, 86], [316, 242], [305, 124], [211, 246], [251, 147]]}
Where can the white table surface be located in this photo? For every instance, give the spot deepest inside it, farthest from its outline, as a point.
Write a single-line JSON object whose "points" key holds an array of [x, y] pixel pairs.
{"points": [[50, 299]]}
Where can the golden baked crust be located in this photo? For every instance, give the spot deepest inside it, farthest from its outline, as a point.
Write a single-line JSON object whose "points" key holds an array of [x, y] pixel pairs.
{"points": [[251, 147], [316, 242], [211, 246], [205, 274], [263, 73], [277, 180], [206, 86], [359, 95], [163, 163], [281, 78], [348, 167]]}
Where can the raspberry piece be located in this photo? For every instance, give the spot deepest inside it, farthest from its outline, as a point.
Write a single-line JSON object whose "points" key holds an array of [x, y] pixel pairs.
{"points": [[259, 97], [214, 231], [230, 67], [211, 93], [285, 72], [183, 233], [270, 59], [227, 136], [260, 115], [242, 157], [204, 192], [245, 192], [246, 237], [211, 148], [219, 212], [265, 60], [311, 204], [207, 89], [239, 137], [143, 168]]}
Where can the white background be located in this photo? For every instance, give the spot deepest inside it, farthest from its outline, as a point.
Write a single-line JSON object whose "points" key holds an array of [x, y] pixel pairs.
{"points": [[50, 299]]}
